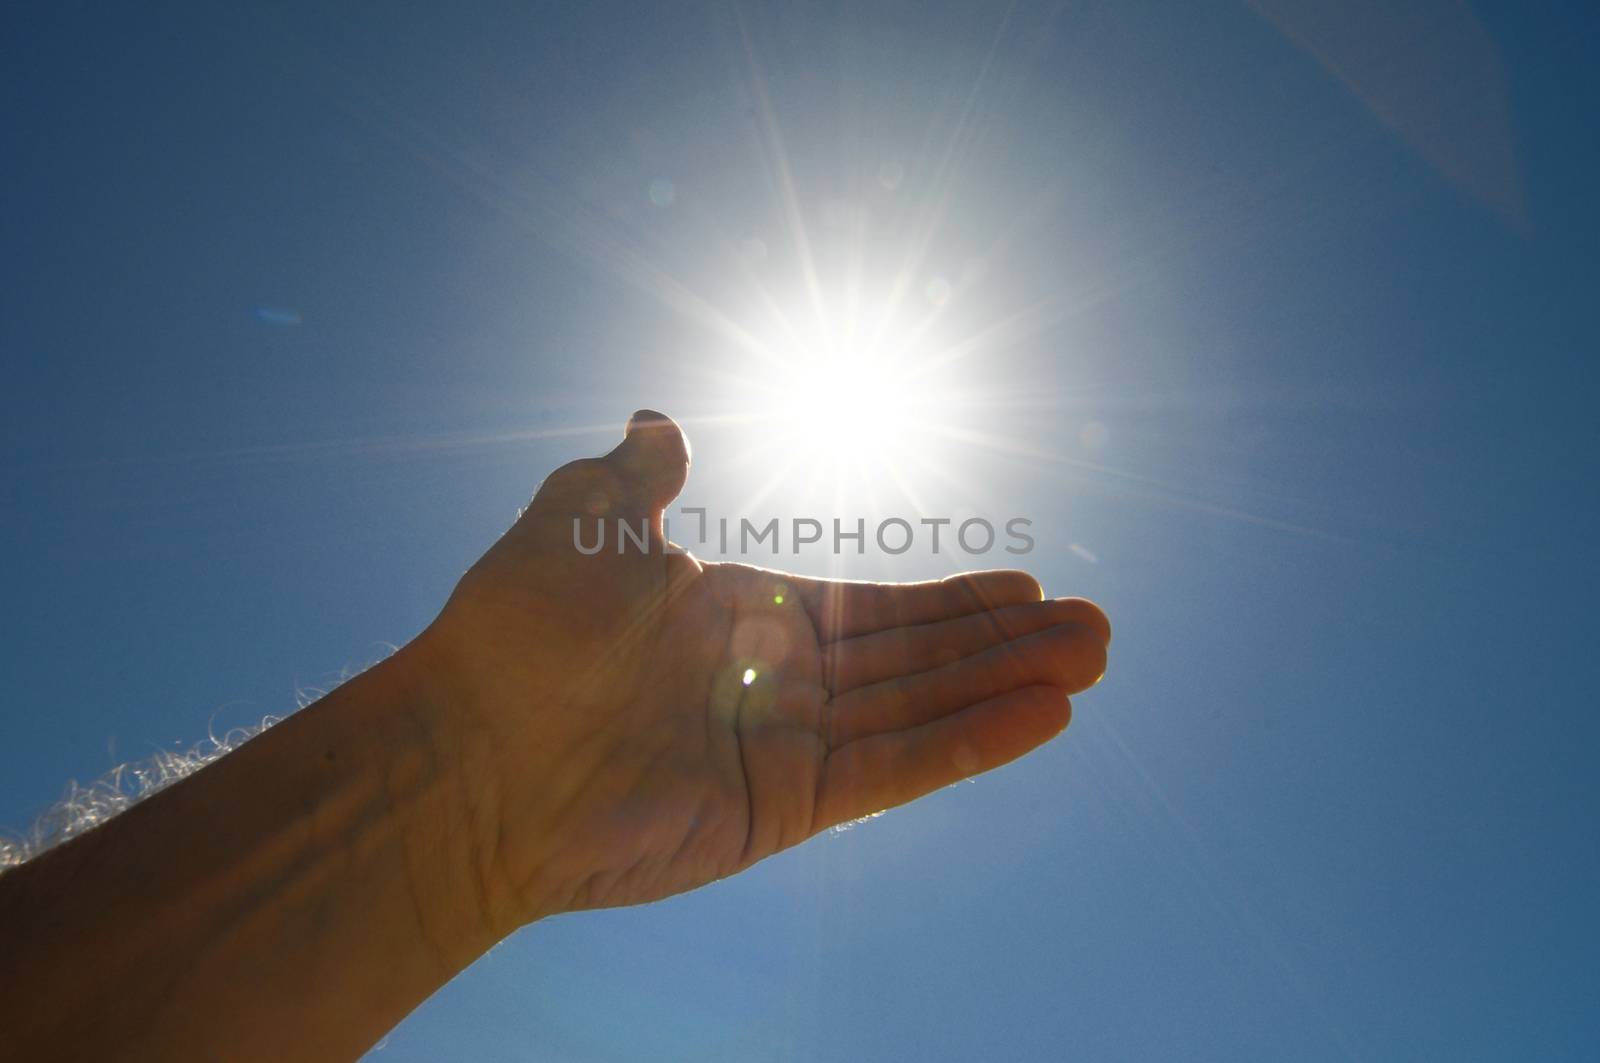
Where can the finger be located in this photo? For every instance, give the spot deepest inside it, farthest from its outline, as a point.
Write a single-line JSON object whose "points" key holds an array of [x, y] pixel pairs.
{"points": [[890, 769], [1069, 657], [842, 609], [901, 651], [634, 482], [652, 461]]}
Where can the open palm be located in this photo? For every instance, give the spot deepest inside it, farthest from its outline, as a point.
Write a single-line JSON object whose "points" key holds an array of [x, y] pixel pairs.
{"points": [[647, 722]]}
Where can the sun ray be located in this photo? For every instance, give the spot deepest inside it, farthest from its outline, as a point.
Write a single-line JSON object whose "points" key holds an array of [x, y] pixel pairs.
{"points": [[778, 165]]}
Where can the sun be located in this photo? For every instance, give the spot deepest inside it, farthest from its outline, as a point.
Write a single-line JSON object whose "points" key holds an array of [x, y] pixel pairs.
{"points": [[852, 400], [844, 397], [849, 407]]}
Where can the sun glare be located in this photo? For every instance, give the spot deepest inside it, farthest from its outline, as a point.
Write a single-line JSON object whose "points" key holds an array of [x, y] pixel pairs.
{"points": [[848, 407], [845, 397], [851, 399]]}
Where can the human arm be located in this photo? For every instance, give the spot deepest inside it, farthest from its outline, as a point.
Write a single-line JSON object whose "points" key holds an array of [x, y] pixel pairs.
{"points": [[572, 732]]}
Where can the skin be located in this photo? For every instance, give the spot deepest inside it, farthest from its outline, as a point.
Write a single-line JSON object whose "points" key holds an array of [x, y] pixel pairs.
{"points": [[572, 732]]}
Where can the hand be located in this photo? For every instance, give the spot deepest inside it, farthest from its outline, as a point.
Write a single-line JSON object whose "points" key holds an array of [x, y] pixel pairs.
{"points": [[636, 724]]}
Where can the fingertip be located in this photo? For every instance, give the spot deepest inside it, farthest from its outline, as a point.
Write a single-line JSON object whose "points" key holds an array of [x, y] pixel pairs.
{"points": [[997, 587], [1025, 583], [1026, 719], [647, 420], [1085, 663], [1090, 615], [1053, 705], [653, 458]]}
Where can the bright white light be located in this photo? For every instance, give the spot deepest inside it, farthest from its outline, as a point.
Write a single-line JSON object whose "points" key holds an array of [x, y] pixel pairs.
{"points": [[849, 407], [853, 398]]}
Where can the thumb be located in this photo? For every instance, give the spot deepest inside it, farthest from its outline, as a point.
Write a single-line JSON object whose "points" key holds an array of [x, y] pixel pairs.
{"points": [[652, 461]]}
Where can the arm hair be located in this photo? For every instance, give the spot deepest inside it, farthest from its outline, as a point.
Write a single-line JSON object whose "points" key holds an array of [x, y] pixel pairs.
{"points": [[82, 808]]}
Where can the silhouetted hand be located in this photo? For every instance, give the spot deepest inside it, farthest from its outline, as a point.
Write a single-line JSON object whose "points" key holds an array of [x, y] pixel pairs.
{"points": [[573, 731], [636, 724]]}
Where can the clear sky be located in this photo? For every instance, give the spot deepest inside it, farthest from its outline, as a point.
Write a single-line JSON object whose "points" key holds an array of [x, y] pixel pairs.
{"points": [[1280, 326]]}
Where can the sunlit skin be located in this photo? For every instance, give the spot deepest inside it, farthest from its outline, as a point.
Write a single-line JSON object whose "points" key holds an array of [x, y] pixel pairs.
{"points": [[572, 732], [649, 767]]}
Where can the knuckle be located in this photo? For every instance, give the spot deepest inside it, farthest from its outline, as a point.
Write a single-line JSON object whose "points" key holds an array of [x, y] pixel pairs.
{"points": [[587, 482]]}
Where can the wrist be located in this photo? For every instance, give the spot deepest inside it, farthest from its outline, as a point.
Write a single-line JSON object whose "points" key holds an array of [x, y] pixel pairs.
{"points": [[435, 767], [529, 761], [467, 746], [313, 886]]}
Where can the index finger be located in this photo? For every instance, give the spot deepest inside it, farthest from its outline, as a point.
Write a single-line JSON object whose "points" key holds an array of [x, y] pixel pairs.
{"points": [[843, 609]]}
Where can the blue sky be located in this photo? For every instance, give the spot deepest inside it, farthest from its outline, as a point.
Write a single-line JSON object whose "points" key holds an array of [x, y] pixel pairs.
{"points": [[1279, 326]]}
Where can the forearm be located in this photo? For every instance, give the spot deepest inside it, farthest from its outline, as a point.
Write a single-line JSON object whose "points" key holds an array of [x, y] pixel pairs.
{"points": [[293, 900]]}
